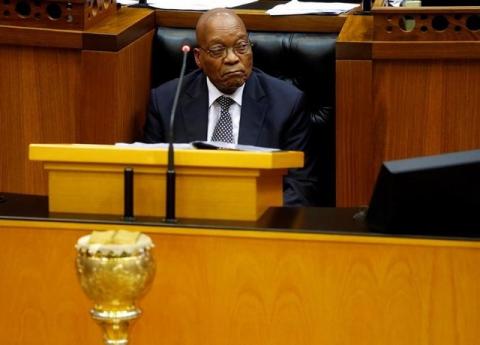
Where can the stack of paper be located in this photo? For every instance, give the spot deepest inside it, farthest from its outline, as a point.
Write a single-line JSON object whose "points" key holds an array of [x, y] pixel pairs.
{"points": [[197, 5], [300, 7], [127, 2], [177, 146], [219, 145], [394, 3], [209, 145]]}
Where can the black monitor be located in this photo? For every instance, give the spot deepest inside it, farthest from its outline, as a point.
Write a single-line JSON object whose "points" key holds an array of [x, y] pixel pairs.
{"points": [[428, 195]]}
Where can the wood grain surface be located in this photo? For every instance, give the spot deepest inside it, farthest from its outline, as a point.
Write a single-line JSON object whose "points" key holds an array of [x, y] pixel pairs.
{"points": [[258, 20], [355, 134], [243, 287], [40, 88], [407, 99], [55, 95], [416, 108], [110, 34], [115, 93]]}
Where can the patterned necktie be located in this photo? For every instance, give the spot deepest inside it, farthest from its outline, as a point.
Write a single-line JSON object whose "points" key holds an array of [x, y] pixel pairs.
{"points": [[224, 129]]}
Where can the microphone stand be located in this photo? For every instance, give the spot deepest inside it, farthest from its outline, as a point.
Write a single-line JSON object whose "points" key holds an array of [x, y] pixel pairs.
{"points": [[366, 6], [141, 4], [171, 176]]}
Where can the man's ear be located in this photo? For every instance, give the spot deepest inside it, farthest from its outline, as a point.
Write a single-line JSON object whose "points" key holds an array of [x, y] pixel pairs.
{"points": [[196, 53]]}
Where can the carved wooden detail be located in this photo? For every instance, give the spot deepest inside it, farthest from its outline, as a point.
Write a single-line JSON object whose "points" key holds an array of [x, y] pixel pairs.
{"points": [[427, 24], [55, 14]]}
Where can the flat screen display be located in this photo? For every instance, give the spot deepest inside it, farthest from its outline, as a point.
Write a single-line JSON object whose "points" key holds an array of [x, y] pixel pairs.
{"points": [[428, 195]]}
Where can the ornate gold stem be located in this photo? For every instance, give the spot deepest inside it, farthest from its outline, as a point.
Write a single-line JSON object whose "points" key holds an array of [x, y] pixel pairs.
{"points": [[115, 324]]}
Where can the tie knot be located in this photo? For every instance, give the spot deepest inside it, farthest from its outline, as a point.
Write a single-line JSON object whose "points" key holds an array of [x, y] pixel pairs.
{"points": [[225, 102]]}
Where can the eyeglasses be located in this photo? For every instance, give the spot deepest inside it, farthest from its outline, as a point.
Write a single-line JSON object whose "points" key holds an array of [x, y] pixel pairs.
{"points": [[220, 52]]}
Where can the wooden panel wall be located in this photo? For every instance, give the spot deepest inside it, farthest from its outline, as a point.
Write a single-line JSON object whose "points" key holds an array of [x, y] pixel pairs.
{"points": [[115, 93], [399, 100], [57, 95], [394, 109], [39, 94], [238, 287], [258, 20], [426, 107], [354, 131]]}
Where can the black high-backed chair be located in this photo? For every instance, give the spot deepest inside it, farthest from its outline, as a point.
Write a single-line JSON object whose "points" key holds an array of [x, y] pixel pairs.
{"points": [[307, 60]]}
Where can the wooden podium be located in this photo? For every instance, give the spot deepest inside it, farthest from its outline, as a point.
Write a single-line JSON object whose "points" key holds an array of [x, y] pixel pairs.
{"points": [[211, 184], [407, 86]]}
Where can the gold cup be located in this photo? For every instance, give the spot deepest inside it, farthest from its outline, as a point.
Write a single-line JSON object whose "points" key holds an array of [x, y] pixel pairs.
{"points": [[114, 277]]}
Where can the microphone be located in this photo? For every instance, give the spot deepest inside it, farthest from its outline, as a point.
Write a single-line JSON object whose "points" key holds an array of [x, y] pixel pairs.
{"points": [[141, 4], [170, 178], [366, 5]]}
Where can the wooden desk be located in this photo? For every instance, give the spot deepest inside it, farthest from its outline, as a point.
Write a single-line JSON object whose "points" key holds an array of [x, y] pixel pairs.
{"points": [[258, 20], [209, 184], [402, 97], [260, 283]]}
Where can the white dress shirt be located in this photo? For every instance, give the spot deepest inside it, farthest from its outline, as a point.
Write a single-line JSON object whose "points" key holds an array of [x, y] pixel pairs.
{"points": [[214, 109]]}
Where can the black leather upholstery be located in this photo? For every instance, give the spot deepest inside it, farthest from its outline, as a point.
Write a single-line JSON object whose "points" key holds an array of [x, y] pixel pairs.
{"points": [[305, 59]]}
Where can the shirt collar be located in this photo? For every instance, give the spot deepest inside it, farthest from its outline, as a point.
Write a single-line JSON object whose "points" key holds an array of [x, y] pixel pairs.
{"points": [[214, 93]]}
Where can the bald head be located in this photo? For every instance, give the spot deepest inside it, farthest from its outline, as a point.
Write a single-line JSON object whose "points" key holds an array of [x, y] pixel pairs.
{"points": [[224, 53], [217, 19]]}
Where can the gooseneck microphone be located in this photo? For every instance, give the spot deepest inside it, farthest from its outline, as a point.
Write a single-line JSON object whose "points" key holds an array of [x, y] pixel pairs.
{"points": [[366, 5], [170, 178]]}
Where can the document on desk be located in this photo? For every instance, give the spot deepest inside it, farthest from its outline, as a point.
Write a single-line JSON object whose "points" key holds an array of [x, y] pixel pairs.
{"points": [[219, 145], [127, 2], [176, 146], [198, 5], [208, 145], [295, 7]]}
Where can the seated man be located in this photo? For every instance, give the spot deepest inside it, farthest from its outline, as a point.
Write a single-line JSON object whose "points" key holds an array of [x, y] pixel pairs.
{"points": [[228, 100]]}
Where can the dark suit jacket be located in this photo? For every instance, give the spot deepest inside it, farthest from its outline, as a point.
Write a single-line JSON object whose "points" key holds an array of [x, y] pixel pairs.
{"points": [[272, 115]]}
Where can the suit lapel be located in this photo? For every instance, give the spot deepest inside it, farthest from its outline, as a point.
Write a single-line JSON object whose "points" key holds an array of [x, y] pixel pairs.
{"points": [[194, 109], [254, 107]]}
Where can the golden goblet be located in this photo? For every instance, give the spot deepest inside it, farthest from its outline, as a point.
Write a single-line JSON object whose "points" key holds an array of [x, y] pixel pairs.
{"points": [[114, 276]]}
